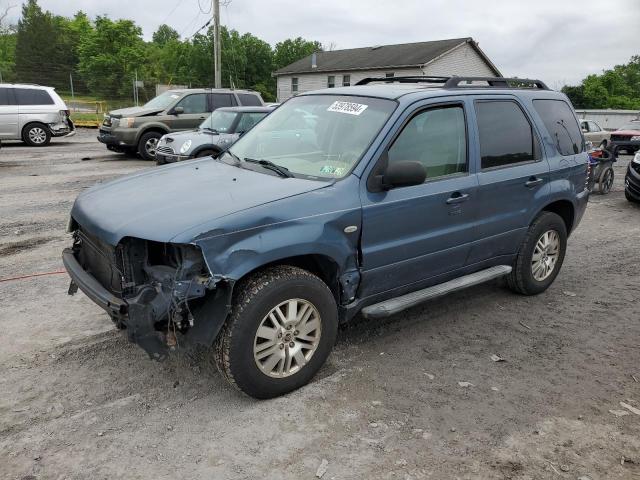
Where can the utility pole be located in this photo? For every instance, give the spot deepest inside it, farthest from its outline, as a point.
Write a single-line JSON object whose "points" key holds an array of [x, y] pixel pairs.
{"points": [[217, 74], [73, 97]]}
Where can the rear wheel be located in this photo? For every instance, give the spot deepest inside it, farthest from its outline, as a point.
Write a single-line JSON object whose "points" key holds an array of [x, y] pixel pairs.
{"points": [[282, 327], [36, 135], [606, 180], [540, 256], [147, 145]]}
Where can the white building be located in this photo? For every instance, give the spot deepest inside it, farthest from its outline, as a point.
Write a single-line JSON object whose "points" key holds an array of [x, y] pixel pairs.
{"points": [[459, 56]]}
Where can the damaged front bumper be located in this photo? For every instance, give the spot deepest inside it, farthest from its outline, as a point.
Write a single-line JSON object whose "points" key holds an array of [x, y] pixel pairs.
{"points": [[160, 307]]}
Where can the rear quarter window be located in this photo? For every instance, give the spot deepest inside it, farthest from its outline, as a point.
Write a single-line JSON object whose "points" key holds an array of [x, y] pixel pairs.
{"points": [[561, 124], [6, 98], [32, 96], [249, 100]]}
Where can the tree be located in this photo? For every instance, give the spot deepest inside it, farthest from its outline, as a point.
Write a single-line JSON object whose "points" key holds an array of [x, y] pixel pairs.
{"points": [[292, 50], [164, 35], [110, 55]]}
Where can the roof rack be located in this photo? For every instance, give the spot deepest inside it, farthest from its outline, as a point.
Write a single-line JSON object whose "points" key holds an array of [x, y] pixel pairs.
{"points": [[495, 82], [454, 82], [408, 79]]}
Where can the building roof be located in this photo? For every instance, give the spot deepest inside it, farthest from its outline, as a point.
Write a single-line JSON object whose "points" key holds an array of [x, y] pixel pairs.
{"points": [[381, 57]]}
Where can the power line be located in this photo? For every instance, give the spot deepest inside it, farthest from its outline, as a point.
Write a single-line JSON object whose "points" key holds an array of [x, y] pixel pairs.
{"points": [[171, 12]]}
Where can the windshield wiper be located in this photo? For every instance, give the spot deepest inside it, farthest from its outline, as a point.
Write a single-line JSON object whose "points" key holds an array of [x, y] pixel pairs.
{"points": [[210, 129], [269, 165]]}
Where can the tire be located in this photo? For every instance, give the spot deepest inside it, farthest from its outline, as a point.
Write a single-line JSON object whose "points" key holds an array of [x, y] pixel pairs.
{"points": [[36, 135], [630, 198], [522, 279], [147, 145], [254, 305], [207, 153], [606, 181]]}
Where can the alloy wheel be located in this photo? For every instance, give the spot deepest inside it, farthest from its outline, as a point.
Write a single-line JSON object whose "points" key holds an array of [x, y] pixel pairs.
{"points": [[287, 338], [150, 146], [37, 135], [545, 255]]}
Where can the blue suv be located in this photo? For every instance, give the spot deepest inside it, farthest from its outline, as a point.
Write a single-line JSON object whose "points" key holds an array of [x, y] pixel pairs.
{"points": [[367, 199]]}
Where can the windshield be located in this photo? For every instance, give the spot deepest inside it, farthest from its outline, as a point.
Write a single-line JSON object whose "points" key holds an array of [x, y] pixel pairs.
{"points": [[316, 135], [630, 126], [220, 121], [163, 100]]}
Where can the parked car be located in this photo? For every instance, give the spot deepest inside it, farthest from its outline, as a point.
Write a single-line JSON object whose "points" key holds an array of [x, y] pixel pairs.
{"points": [[219, 131], [33, 114], [139, 128], [365, 199], [626, 138], [632, 180], [594, 133]]}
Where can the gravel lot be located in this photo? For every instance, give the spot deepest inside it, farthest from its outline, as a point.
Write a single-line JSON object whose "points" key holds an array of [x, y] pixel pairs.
{"points": [[78, 401]]}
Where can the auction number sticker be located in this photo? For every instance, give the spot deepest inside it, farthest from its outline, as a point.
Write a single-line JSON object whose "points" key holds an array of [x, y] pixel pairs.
{"points": [[347, 107]]}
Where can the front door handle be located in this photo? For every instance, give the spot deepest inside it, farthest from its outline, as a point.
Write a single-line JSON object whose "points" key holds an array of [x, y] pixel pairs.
{"points": [[457, 197], [533, 182]]}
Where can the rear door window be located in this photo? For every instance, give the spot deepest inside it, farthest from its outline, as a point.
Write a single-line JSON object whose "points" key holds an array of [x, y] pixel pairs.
{"points": [[32, 96], [561, 124], [249, 100], [506, 136], [6, 97], [222, 100]]}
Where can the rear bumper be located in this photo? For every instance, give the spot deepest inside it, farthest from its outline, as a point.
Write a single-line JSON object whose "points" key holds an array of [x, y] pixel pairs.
{"points": [[114, 306], [582, 199], [66, 129]]}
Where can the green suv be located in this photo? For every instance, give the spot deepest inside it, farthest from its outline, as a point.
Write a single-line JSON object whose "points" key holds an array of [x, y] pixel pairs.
{"points": [[138, 129]]}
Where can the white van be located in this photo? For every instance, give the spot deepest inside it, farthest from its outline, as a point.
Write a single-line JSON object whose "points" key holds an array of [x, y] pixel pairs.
{"points": [[33, 114]]}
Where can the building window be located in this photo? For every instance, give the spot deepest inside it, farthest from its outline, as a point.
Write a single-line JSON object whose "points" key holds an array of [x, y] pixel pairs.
{"points": [[331, 81], [389, 75], [294, 84], [346, 80]]}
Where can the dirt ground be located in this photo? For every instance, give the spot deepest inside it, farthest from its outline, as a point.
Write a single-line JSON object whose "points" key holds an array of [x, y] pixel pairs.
{"points": [[77, 401]]}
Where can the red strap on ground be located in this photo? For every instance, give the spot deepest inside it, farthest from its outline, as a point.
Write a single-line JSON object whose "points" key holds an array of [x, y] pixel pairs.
{"points": [[58, 272]]}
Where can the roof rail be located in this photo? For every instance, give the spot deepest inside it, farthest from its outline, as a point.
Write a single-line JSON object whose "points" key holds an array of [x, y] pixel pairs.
{"points": [[410, 79], [495, 82], [454, 82]]}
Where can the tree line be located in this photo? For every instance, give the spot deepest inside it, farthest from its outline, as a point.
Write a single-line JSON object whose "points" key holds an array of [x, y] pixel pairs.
{"points": [[102, 57], [617, 88]]}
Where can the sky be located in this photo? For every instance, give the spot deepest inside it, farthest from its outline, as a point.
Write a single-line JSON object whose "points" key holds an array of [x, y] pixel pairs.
{"points": [[557, 41]]}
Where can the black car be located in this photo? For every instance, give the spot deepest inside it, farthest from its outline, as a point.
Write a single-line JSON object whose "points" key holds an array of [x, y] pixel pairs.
{"points": [[632, 180]]}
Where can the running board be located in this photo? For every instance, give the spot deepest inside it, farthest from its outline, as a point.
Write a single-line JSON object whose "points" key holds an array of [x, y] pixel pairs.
{"points": [[398, 304]]}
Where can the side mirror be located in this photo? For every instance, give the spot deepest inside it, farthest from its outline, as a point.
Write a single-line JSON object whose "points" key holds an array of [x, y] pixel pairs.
{"points": [[241, 133], [178, 110], [584, 130], [403, 174]]}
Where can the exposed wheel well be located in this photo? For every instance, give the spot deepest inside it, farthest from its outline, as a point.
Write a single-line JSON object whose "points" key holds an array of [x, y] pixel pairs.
{"points": [[564, 209], [321, 265], [152, 129]]}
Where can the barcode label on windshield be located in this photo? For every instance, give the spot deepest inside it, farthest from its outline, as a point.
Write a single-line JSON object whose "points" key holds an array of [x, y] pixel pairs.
{"points": [[347, 107]]}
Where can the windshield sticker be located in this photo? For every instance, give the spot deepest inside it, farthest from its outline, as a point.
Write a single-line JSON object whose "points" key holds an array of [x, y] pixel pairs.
{"points": [[347, 107]]}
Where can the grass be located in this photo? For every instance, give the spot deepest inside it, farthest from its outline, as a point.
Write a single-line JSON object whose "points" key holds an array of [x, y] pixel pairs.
{"points": [[82, 119]]}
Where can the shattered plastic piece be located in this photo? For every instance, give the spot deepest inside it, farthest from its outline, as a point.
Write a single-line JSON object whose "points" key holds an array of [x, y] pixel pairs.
{"points": [[497, 358], [569, 294], [630, 408], [465, 384], [430, 376], [495, 389], [322, 468]]}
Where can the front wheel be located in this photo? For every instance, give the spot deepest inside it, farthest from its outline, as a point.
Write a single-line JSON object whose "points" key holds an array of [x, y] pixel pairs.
{"points": [[540, 256], [606, 181], [147, 145], [282, 327]]}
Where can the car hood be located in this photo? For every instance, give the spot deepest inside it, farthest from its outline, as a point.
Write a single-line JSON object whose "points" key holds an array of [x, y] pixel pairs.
{"points": [[161, 203], [198, 137], [626, 132], [134, 112]]}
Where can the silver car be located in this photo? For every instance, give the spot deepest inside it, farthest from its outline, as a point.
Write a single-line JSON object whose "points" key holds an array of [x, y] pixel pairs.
{"points": [[595, 134], [33, 114], [217, 133]]}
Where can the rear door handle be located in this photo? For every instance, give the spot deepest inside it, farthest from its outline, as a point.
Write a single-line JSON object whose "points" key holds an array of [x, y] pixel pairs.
{"points": [[533, 182], [457, 197]]}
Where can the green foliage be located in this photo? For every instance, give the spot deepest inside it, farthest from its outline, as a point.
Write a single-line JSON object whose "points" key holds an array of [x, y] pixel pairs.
{"points": [[292, 50], [618, 88], [104, 55]]}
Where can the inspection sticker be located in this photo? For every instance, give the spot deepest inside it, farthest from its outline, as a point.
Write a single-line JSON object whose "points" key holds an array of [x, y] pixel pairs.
{"points": [[347, 107]]}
